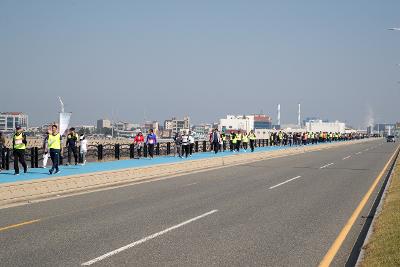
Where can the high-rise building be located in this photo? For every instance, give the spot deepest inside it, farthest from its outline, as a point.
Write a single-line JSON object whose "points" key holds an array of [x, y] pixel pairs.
{"points": [[103, 123], [177, 125], [10, 120]]}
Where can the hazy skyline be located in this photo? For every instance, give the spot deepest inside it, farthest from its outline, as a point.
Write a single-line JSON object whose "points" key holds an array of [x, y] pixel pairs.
{"points": [[133, 60]]}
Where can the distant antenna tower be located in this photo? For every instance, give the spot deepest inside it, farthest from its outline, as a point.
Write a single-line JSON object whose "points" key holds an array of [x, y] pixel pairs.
{"points": [[279, 115], [299, 116]]}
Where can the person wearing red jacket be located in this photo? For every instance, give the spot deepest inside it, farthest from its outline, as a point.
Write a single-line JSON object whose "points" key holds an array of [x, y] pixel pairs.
{"points": [[138, 142]]}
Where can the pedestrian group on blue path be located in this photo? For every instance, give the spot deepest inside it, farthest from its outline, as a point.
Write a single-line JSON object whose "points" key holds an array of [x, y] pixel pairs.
{"points": [[184, 144]]}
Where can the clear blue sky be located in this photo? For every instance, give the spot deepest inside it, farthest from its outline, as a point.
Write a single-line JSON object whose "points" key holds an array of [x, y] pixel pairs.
{"points": [[158, 59]]}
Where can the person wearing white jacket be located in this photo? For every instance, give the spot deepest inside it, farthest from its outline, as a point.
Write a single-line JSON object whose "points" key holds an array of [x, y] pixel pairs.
{"points": [[191, 143], [83, 148]]}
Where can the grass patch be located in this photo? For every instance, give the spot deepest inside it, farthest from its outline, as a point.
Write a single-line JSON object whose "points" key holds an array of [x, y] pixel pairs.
{"points": [[383, 248]]}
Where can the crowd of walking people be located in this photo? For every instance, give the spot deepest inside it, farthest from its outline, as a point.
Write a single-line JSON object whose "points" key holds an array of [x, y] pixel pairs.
{"points": [[184, 144]]}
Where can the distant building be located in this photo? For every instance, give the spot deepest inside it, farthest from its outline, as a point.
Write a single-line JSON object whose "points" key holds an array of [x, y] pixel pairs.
{"points": [[262, 133], [165, 134], [235, 123], [177, 125], [245, 122], [321, 126], [201, 131], [152, 125], [384, 128], [86, 128], [262, 121], [397, 129], [10, 120], [102, 124], [308, 119]]}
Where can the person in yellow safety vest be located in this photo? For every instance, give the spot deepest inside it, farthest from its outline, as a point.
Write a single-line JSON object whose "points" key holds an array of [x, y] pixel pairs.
{"points": [[54, 145], [280, 136], [252, 138], [232, 141], [238, 140], [245, 141], [223, 139], [19, 146]]}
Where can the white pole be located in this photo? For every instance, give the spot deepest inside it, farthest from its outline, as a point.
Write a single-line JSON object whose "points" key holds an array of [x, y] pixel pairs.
{"points": [[62, 104]]}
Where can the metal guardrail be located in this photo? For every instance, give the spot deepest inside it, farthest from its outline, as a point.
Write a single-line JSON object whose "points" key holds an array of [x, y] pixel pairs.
{"points": [[108, 152]]}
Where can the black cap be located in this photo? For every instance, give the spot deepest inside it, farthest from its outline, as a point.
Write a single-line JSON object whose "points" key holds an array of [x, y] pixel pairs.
{"points": [[18, 127]]}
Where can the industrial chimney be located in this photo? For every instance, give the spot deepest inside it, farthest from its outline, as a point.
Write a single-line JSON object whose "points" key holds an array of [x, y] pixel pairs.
{"points": [[299, 117]]}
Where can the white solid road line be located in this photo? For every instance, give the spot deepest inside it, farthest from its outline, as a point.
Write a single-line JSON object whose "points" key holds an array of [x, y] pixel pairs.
{"points": [[346, 157], [189, 184], [358, 153], [287, 181], [323, 167], [147, 238]]}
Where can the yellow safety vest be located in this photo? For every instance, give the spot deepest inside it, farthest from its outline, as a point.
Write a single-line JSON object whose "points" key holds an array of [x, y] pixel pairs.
{"points": [[252, 136], [239, 137], [234, 140], [245, 139], [18, 142], [54, 141]]}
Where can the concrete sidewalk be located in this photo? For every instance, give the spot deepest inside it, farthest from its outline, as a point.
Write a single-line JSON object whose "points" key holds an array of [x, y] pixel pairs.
{"points": [[37, 184]]}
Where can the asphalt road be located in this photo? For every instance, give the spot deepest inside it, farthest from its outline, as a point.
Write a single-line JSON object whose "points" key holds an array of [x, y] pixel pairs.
{"points": [[279, 212]]}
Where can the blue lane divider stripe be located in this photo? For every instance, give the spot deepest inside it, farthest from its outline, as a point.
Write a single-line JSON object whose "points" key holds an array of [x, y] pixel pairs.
{"points": [[40, 173]]}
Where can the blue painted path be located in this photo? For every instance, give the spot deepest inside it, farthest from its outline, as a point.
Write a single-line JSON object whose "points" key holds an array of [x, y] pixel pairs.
{"points": [[40, 173]]}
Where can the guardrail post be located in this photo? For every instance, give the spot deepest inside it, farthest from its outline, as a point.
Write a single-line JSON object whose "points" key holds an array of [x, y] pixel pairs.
{"points": [[36, 157], [204, 146], [61, 157], [145, 150], [100, 152], [196, 146], [3, 160], [80, 160], [7, 167], [116, 151], [32, 157], [259, 142], [158, 149], [168, 148], [263, 142], [132, 151]]}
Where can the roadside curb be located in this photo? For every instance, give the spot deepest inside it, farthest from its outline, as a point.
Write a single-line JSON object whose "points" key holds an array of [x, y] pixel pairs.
{"points": [[377, 213], [23, 192]]}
